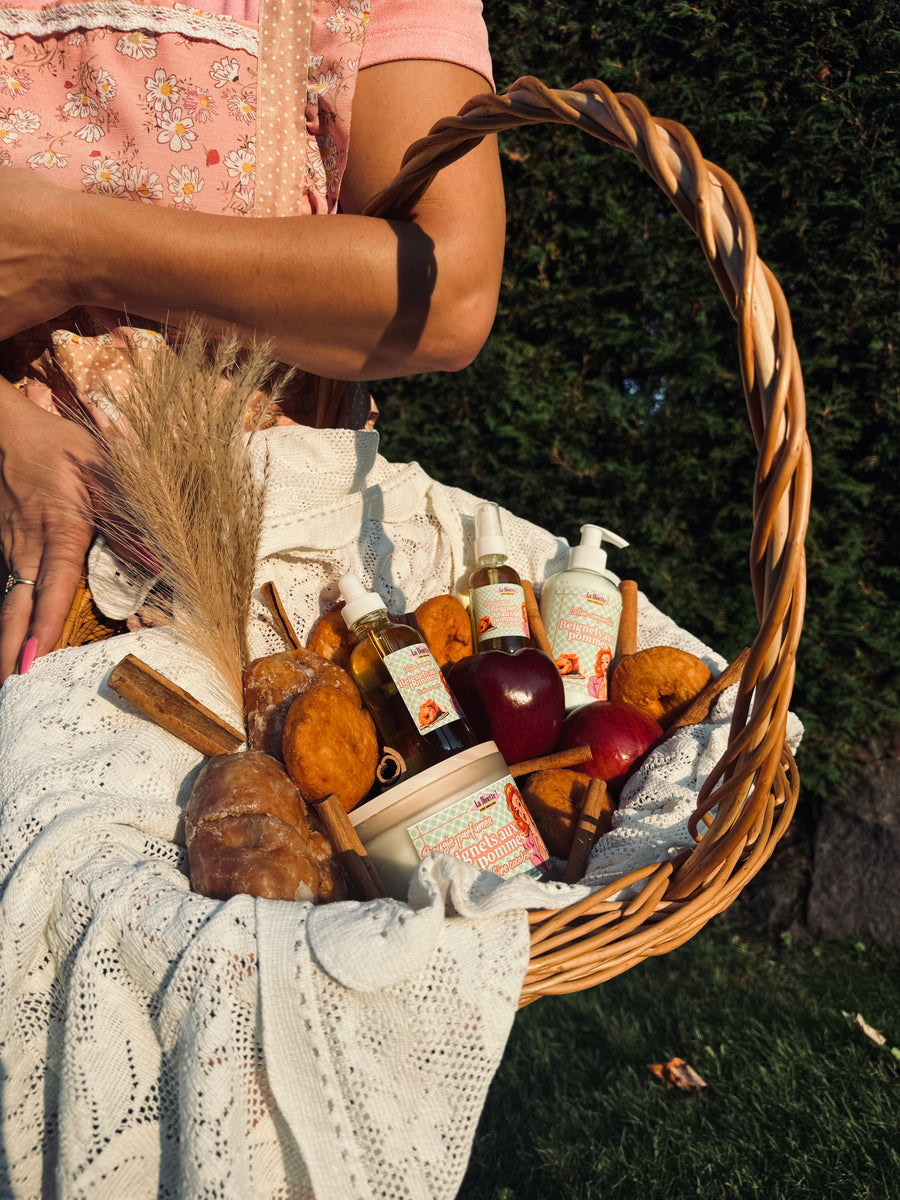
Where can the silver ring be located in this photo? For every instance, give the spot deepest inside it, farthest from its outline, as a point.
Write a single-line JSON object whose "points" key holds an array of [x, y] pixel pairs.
{"points": [[13, 580]]}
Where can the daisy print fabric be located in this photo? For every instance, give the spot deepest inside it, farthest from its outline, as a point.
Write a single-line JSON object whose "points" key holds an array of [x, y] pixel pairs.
{"points": [[156, 103]]}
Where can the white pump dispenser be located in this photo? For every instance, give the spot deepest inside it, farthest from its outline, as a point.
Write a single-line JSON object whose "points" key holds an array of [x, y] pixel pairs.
{"points": [[580, 608], [590, 555], [358, 603]]}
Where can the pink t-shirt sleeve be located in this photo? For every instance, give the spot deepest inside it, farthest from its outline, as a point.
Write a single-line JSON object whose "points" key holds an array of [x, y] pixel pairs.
{"points": [[450, 31]]}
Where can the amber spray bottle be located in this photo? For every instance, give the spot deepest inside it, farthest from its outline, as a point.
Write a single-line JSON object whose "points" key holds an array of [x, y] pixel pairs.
{"points": [[401, 684], [496, 598]]}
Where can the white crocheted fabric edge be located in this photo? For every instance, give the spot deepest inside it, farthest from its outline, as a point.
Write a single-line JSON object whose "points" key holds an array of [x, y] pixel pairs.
{"points": [[122, 16]]}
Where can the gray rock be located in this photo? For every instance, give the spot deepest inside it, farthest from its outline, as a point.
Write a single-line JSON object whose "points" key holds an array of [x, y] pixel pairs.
{"points": [[855, 889], [776, 897]]}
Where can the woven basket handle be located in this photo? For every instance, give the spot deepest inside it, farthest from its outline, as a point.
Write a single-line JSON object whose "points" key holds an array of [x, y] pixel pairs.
{"points": [[712, 204]]}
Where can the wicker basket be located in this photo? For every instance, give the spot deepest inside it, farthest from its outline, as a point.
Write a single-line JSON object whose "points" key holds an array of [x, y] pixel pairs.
{"points": [[753, 789], [752, 792]]}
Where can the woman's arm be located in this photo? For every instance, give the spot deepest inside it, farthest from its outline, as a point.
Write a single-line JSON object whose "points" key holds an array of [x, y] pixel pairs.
{"points": [[347, 296]]}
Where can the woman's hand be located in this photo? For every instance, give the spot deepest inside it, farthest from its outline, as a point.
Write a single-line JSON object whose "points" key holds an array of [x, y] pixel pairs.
{"points": [[38, 240], [47, 467]]}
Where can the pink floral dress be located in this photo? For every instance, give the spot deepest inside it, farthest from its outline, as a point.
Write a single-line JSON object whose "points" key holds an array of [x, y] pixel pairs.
{"points": [[157, 103]]}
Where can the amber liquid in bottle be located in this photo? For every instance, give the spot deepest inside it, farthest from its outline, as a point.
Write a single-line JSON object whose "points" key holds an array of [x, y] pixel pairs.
{"points": [[378, 636], [487, 574]]}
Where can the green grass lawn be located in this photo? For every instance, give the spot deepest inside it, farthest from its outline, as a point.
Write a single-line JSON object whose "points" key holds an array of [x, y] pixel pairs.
{"points": [[799, 1102]]}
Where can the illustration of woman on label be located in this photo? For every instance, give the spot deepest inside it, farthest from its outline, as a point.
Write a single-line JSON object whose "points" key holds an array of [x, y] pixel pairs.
{"points": [[597, 684], [533, 842]]}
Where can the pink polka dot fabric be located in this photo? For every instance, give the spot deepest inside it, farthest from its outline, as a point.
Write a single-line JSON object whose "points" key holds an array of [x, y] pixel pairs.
{"points": [[284, 53]]}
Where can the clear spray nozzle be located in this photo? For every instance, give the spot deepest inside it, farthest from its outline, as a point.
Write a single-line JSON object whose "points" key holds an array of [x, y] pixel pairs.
{"points": [[489, 537], [358, 602]]}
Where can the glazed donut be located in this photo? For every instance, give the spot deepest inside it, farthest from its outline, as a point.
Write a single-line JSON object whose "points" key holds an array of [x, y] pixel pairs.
{"points": [[272, 683], [331, 638], [555, 799], [330, 746], [658, 680], [444, 624], [249, 831]]}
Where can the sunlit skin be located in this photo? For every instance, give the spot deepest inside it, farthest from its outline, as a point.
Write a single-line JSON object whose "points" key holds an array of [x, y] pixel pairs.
{"points": [[348, 297]]}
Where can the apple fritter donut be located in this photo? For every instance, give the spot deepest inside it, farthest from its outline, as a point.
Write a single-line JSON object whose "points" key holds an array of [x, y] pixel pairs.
{"points": [[445, 626], [331, 638], [555, 799], [272, 683], [330, 746], [248, 830], [658, 680]]}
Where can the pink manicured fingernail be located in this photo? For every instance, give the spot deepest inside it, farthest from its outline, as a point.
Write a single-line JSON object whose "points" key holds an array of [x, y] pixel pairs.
{"points": [[28, 655]]}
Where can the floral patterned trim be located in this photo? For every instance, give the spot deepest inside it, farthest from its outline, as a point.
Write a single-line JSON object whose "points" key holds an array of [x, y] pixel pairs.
{"points": [[124, 16]]}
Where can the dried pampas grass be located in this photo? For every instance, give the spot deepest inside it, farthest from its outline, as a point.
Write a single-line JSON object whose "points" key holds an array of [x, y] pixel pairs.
{"points": [[182, 489]]}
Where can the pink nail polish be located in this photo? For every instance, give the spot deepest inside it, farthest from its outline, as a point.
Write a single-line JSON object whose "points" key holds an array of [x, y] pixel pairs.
{"points": [[28, 655]]}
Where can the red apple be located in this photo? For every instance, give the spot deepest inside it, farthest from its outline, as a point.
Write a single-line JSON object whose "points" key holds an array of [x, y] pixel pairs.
{"points": [[516, 700], [617, 733]]}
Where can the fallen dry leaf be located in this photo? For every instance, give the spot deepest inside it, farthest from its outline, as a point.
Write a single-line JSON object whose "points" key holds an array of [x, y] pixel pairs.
{"points": [[878, 1038], [679, 1074]]}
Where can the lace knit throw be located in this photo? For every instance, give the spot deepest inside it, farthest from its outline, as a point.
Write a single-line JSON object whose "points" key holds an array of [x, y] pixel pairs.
{"points": [[156, 1043]]}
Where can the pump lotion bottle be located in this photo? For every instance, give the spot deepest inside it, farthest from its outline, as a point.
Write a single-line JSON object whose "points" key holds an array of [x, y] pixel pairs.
{"points": [[580, 608], [496, 598]]}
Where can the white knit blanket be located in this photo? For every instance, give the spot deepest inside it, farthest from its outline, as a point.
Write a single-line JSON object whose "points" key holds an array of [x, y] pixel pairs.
{"points": [[159, 1044]]}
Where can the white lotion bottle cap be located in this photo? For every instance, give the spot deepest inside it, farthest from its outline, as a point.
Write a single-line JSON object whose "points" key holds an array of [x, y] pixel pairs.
{"points": [[489, 537], [358, 602], [590, 555]]}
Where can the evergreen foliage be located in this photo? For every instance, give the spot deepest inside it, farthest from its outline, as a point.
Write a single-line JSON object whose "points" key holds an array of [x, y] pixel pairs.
{"points": [[610, 392]]}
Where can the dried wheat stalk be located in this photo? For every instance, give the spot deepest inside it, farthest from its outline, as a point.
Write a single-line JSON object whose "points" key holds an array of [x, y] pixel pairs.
{"points": [[183, 491]]}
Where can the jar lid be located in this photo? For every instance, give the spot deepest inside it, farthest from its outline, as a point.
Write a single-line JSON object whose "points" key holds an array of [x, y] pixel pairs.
{"points": [[435, 781]]}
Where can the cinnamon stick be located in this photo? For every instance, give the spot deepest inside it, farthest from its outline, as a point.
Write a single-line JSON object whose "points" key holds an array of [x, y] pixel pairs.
{"points": [[535, 623], [349, 849], [696, 710], [172, 708], [586, 831], [272, 601], [560, 758], [627, 643]]}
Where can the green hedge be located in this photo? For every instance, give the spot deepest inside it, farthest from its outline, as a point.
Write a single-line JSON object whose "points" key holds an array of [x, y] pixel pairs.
{"points": [[609, 390]]}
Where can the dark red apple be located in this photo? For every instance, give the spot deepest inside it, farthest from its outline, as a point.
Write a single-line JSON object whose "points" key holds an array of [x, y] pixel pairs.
{"points": [[617, 733], [516, 700]]}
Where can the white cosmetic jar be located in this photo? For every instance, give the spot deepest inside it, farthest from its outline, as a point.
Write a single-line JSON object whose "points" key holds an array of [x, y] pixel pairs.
{"points": [[458, 806]]}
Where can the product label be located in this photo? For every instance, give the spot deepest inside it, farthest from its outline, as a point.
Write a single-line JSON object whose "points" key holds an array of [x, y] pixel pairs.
{"points": [[582, 628], [421, 685], [498, 610], [491, 828]]}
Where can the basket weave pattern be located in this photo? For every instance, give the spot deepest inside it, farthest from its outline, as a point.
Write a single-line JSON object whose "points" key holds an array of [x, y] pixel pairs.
{"points": [[752, 791]]}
